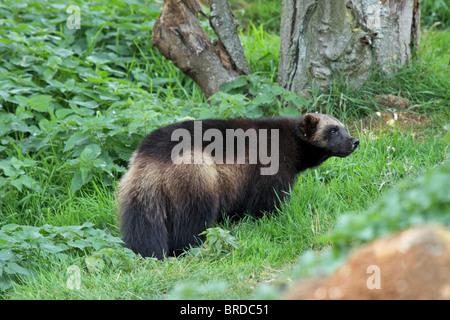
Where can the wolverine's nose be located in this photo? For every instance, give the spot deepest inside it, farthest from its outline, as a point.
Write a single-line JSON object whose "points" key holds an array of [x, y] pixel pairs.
{"points": [[355, 143]]}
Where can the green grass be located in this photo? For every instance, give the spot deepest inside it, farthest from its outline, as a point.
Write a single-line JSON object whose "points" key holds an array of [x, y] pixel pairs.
{"points": [[267, 13], [74, 106]]}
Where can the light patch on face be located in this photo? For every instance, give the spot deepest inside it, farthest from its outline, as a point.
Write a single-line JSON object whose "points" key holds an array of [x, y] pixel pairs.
{"points": [[326, 122]]}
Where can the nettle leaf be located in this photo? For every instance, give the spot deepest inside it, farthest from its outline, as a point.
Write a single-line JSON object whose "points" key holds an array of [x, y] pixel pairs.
{"points": [[40, 102], [4, 285], [45, 72], [20, 100], [99, 163], [62, 52], [7, 255], [108, 96], [14, 268], [63, 113], [123, 152], [10, 227], [90, 152], [54, 61], [79, 244], [88, 104], [80, 178], [290, 111], [76, 183], [8, 170], [50, 247], [95, 263], [28, 233], [26, 181], [69, 85], [295, 99], [75, 139], [85, 174], [238, 83]]}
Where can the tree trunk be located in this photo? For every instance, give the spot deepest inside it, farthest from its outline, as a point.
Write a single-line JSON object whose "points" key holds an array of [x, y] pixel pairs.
{"points": [[180, 38], [322, 40]]}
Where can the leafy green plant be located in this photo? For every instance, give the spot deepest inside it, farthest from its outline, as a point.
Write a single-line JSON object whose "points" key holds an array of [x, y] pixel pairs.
{"points": [[86, 96], [218, 243], [21, 247], [251, 97], [13, 170], [112, 259]]}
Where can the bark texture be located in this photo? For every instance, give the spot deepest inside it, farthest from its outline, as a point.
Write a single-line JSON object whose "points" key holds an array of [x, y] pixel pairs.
{"points": [[322, 40], [180, 38]]}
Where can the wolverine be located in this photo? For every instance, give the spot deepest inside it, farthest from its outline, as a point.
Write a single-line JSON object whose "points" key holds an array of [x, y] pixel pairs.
{"points": [[186, 176]]}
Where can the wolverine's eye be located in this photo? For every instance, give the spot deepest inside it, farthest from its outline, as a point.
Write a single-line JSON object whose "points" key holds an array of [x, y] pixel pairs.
{"points": [[334, 130]]}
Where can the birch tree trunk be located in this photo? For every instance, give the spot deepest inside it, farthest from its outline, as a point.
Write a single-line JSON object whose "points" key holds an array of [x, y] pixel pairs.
{"points": [[322, 40]]}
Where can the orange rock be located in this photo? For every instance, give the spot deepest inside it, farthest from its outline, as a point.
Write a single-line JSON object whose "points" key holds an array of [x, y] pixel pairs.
{"points": [[413, 264]]}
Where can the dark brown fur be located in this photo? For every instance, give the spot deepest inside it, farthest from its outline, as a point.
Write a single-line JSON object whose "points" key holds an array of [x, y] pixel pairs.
{"points": [[165, 206]]}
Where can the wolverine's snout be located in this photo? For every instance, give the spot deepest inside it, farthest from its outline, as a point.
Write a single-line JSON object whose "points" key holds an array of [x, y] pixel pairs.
{"points": [[355, 143]]}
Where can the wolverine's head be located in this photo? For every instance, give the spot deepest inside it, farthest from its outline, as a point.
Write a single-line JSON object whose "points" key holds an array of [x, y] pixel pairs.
{"points": [[327, 133]]}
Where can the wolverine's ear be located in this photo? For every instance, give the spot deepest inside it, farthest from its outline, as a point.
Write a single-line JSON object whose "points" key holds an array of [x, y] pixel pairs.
{"points": [[307, 125], [310, 121]]}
